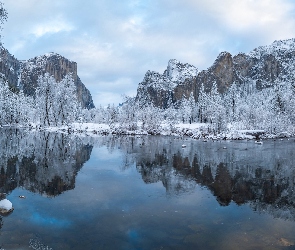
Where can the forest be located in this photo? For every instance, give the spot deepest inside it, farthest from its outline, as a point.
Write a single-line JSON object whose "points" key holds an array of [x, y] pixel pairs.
{"points": [[240, 108]]}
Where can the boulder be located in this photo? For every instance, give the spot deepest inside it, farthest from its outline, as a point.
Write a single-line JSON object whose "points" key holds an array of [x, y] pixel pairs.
{"points": [[5, 207]]}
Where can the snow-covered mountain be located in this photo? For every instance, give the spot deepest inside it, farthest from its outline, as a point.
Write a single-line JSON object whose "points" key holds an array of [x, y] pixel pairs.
{"points": [[160, 88], [23, 74], [259, 69]]}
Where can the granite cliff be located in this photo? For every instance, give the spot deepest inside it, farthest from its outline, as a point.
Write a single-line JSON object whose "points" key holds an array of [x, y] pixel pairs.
{"points": [[259, 69], [23, 75]]}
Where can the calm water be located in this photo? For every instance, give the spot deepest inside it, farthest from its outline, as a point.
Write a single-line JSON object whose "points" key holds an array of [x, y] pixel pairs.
{"points": [[146, 193]]}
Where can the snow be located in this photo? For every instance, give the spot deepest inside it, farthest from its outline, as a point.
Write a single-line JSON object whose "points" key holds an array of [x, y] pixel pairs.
{"points": [[251, 131], [201, 131], [190, 125], [175, 73], [194, 130], [39, 62], [5, 205], [78, 128], [90, 126], [178, 72], [276, 48]]}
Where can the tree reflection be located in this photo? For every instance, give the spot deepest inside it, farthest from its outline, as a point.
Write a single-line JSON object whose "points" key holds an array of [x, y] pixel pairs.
{"points": [[264, 177], [41, 162], [243, 173]]}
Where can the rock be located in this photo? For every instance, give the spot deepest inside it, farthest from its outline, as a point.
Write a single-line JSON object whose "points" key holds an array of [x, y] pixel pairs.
{"points": [[5, 207], [24, 74], [258, 142], [161, 89], [259, 69], [286, 243]]}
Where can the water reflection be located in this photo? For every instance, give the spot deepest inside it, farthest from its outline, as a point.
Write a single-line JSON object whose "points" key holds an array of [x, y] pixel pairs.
{"points": [[145, 192], [41, 162], [240, 172]]}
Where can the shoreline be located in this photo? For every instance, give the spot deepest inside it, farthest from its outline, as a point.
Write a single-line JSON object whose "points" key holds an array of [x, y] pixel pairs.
{"points": [[195, 131]]}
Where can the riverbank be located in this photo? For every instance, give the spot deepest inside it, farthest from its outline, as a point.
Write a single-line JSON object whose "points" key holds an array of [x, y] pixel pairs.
{"points": [[194, 130]]}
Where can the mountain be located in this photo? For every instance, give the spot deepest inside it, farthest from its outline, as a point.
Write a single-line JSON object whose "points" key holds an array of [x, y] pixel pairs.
{"points": [[160, 89], [23, 74], [259, 69]]}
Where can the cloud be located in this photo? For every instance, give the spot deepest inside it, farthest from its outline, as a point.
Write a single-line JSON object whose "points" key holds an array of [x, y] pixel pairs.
{"points": [[115, 42], [51, 27], [271, 18], [105, 94], [105, 98], [133, 25]]}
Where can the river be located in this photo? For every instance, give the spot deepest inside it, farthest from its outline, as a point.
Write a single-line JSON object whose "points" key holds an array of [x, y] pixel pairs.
{"points": [[146, 192]]}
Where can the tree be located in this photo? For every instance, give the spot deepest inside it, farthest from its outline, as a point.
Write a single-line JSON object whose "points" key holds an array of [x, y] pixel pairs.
{"points": [[230, 101], [3, 16], [66, 102], [127, 116], [150, 117], [45, 99], [56, 102], [215, 111]]}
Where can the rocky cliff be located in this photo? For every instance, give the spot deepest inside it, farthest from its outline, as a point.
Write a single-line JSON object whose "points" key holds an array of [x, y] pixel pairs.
{"points": [[23, 75], [162, 89], [260, 68]]}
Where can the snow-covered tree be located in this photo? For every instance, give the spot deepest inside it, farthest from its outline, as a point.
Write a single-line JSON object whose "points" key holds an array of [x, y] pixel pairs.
{"points": [[56, 102], [65, 110]]}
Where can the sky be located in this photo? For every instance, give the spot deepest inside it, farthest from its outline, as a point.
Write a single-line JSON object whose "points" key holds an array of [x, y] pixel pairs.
{"points": [[115, 42]]}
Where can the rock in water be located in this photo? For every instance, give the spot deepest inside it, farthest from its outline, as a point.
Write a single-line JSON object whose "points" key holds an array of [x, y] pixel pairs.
{"points": [[5, 207]]}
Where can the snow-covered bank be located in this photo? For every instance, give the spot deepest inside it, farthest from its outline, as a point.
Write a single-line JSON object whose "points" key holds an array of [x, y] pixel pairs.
{"points": [[194, 130]]}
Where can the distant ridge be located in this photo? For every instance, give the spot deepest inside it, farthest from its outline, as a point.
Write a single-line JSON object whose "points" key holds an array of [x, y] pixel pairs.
{"points": [[259, 69]]}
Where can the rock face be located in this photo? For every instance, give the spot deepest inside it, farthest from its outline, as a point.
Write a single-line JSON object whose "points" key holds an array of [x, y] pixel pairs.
{"points": [[259, 69], [23, 75], [161, 89]]}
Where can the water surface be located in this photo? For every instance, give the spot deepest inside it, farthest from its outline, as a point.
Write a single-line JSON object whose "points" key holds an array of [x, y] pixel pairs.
{"points": [[146, 192]]}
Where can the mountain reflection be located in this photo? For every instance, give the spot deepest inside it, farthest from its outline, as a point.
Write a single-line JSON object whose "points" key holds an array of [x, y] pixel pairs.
{"points": [[240, 172], [41, 162]]}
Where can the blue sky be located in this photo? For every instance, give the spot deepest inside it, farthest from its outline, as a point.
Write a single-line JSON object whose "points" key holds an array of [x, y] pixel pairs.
{"points": [[115, 42]]}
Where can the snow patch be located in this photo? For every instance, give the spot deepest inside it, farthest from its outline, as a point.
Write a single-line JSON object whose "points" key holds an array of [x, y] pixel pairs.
{"points": [[5, 206]]}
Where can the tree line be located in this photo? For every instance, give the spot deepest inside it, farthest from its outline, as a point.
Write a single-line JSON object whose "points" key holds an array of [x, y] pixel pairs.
{"points": [[240, 108], [54, 103]]}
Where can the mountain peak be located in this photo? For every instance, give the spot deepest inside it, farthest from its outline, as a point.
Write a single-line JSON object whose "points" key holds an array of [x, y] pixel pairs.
{"points": [[178, 72], [277, 48]]}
